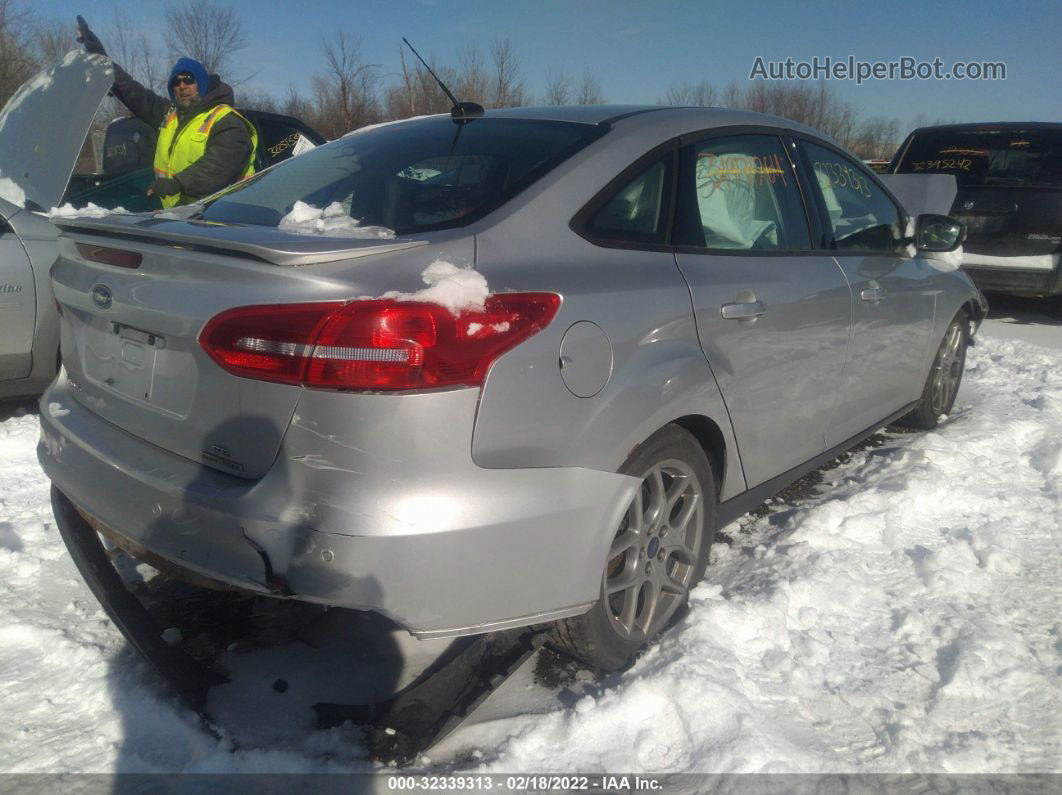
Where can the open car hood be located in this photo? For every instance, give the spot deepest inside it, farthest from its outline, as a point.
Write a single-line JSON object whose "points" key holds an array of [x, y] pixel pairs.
{"points": [[922, 193], [44, 124]]}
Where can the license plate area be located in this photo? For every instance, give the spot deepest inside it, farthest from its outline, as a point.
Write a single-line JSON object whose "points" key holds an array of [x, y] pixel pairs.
{"points": [[123, 359]]}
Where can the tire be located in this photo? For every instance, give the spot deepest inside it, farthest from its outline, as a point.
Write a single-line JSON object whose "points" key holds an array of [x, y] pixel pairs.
{"points": [[654, 559], [945, 376]]}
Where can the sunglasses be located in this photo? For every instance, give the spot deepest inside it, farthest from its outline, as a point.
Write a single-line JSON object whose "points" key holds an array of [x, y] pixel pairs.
{"points": [[184, 80]]}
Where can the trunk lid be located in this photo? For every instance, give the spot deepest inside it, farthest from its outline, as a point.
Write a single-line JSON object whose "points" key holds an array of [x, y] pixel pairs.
{"points": [[130, 334], [43, 126]]}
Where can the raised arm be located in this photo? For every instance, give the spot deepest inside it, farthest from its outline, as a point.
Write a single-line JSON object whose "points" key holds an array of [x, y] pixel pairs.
{"points": [[141, 100]]}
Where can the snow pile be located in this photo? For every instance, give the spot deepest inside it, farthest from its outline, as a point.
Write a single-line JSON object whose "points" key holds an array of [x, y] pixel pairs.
{"points": [[905, 618], [945, 260], [448, 285], [1032, 262], [332, 221], [90, 210], [10, 190]]}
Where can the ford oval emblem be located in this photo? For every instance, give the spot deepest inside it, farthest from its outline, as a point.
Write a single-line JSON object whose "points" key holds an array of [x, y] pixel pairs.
{"points": [[101, 296]]}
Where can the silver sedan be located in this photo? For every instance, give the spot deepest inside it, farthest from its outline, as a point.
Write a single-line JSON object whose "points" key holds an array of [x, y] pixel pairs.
{"points": [[478, 374]]}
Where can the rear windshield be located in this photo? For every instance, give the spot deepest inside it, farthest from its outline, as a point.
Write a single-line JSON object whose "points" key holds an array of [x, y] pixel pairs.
{"points": [[1026, 158], [410, 177]]}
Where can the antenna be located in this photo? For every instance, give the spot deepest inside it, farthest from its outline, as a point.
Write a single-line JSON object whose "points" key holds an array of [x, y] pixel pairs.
{"points": [[462, 111]]}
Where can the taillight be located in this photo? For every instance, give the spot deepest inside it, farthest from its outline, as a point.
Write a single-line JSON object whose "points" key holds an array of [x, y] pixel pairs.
{"points": [[110, 256], [380, 344]]}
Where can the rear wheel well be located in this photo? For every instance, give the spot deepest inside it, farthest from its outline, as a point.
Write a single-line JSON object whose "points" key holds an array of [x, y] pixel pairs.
{"points": [[972, 313], [710, 438]]}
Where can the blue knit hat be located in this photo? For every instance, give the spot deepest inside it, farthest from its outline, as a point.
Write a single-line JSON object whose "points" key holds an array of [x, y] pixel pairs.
{"points": [[192, 67]]}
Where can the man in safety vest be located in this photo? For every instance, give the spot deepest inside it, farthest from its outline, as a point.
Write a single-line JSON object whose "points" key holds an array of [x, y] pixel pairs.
{"points": [[204, 144]]}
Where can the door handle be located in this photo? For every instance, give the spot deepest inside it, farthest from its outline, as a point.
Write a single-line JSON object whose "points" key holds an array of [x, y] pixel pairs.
{"points": [[743, 311], [873, 294]]}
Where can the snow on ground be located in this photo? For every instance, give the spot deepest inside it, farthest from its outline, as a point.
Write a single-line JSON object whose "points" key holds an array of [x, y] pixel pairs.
{"points": [[1034, 320], [905, 618]]}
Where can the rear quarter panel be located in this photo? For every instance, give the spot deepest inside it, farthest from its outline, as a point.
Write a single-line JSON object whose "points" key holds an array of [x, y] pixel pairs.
{"points": [[38, 237]]}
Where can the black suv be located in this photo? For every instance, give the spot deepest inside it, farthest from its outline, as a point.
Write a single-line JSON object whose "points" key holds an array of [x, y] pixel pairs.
{"points": [[1009, 179]]}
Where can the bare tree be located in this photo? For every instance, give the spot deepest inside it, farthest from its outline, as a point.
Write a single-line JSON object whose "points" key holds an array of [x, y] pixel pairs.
{"points": [[507, 87], [254, 98], [52, 40], [209, 33], [558, 88], [876, 137], [815, 105], [701, 93], [345, 93], [419, 93], [297, 105], [473, 82], [732, 96], [137, 52], [589, 90], [18, 61]]}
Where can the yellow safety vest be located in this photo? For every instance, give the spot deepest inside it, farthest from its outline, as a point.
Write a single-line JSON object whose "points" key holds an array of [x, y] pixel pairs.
{"points": [[175, 151]]}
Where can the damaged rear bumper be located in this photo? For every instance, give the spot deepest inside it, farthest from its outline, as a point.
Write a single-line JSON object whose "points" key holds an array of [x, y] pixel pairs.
{"points": [[453, 550]]}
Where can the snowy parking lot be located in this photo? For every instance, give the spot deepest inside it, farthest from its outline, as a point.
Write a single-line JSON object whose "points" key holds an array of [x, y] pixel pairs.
{"points": [[904, 615]]}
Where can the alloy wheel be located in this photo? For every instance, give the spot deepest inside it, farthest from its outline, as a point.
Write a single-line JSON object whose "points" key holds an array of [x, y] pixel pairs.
{"points": [[654, 554], [948, 370]]}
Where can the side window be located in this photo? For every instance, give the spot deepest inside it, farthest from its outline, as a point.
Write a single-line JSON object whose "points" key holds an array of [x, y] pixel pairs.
{"points": [[635, 213], [861, 216], [739, 194]]}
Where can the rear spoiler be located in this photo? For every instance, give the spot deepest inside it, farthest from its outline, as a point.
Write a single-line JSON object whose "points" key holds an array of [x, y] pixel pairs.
{"points": [[263, 243]]}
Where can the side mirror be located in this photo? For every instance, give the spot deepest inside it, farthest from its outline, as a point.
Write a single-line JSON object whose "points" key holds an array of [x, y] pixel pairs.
{"points": [[938, 233]]}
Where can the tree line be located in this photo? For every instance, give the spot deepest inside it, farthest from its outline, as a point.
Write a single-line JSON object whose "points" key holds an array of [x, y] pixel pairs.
{"points": [[346, 91]]}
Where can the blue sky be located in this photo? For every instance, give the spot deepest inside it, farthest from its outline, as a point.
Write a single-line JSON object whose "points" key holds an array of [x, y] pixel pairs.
{"points": [[638, 49]]}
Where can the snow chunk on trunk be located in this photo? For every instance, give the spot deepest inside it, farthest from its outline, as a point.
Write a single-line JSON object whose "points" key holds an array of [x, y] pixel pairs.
{"points": [[90, 210], [332, 221], [455, 288]]}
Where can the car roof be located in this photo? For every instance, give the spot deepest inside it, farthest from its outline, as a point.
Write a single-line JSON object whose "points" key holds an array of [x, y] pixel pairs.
{"points": [[990, 125], [629, 116]]}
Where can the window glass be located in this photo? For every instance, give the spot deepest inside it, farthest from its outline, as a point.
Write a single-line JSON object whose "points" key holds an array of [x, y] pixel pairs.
{"points": [[861, 216], [410, 176], [739, 194], [635, 212], [1003, 156], [129, 144], [277, 138]]}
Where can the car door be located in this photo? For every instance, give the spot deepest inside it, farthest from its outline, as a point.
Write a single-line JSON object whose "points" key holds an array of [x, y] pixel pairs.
{"points": [[772, 315], [18, 306], [893, 293]]}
